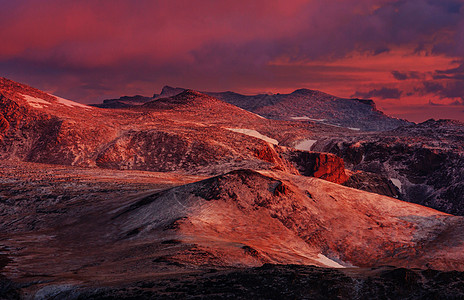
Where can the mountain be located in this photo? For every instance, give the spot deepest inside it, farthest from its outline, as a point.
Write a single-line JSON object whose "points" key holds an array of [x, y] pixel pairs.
{"points": [[123, 102], [191, 133], [304, 105], [310, 105]]}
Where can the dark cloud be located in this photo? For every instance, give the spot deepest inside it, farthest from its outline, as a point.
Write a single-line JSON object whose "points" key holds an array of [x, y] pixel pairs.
{"points": [[382, 93], [446, 84], [400, 76], [453, 74], [450, 90], [407, 75]]}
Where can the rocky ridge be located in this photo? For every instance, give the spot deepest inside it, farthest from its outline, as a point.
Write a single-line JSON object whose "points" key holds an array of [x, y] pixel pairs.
{"points": [[189, 132], [425, 161], [311, 105]]}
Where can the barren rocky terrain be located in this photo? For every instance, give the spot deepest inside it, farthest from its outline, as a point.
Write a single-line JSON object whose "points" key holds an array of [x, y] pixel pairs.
{"points": [[187, 196], [425, 161]]}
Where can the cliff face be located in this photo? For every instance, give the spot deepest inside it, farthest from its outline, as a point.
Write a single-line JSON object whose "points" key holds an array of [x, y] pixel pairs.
{"points": [[321, 165]]}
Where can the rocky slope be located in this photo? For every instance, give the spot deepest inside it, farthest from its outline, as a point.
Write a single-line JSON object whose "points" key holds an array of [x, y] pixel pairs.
{"points": [[71, 230], [425, 161], [276, 218], [190, 132]]}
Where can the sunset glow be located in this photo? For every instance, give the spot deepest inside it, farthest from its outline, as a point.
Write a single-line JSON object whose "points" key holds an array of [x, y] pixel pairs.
{"points": [[406, 55]]}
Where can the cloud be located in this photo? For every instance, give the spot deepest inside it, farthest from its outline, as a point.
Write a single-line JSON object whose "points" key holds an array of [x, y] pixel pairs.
{"points": [[446, 84], [445, 90], [453, 74], [457, 102], [407, 75], [383, 93]]}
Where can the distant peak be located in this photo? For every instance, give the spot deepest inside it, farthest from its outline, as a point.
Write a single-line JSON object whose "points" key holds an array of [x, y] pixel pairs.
{"points": [[171, 91], [303, 91], [186, 97], [441, 122]]}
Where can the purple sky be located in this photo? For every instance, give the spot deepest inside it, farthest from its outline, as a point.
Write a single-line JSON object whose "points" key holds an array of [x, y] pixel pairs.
{"points": [[406, 55]]}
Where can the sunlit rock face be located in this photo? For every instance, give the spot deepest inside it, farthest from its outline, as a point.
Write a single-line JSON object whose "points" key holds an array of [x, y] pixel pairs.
{"points": [[273, 217], [321, 165], [189, 132]]}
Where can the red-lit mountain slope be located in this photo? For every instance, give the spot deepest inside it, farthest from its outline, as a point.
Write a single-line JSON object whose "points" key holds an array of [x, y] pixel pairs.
{"points": [[190, 132]]}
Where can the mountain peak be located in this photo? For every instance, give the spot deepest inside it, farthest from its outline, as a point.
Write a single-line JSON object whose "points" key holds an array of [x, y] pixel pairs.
{"points": [[168, 91], [185, 97], [303, 91]]}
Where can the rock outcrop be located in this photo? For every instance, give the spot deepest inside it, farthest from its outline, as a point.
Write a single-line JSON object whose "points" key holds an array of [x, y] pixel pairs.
{"points": [[326, 166], [425, 161], [372, 182]]}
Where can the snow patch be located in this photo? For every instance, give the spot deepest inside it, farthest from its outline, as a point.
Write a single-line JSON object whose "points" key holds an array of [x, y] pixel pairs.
{"points": [[317, 120], [254, 133], [396, 182], [307, 119], [70, 103], [328, 262], [39, 102], [353, 128], [305, 145], [35, 102]]}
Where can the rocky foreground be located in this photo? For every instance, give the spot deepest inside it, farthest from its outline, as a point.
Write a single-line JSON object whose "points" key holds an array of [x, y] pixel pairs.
{"points": [[270, 282], [81, 233]]}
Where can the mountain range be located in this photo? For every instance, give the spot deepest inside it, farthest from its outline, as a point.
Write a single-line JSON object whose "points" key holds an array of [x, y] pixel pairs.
{"points": [[301, 105], [102, 200]]}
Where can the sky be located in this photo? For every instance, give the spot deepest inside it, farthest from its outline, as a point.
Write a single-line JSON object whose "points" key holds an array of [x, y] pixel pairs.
{"points": [[406, 55]]}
